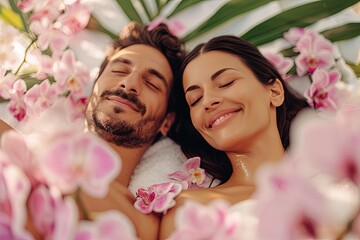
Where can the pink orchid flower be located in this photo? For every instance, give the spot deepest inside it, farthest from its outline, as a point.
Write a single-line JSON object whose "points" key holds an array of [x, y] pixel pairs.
{"points": [[109, 225], [213, 221], [14, 189], [42, 63], [53, 216], [158, 197], [41, 9], [191, 175], [49, 36], [17, 106], [281, 63], [75, 107], [289, 206], [75, 18], [40, 97], [81, 160], [294, 34], [322, 92], [70, 74], [315, 52], [334, 146], [6, 83], [11, 142]]}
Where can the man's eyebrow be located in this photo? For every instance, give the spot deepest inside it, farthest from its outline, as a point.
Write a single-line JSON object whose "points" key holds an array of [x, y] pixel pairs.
{"points": [[159, 76], [121, 60], [218, 73]]}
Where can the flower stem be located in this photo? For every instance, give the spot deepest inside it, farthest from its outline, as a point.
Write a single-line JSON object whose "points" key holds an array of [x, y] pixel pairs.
{"points": [[81, 205], [24, 59]]}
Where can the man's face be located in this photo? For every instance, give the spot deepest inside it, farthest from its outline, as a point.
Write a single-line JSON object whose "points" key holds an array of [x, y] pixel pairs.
{"points": [[129, 99]]}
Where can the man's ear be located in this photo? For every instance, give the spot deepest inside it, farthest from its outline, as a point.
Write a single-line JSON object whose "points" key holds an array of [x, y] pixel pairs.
{"points": [[276, 93], [167, 123]]}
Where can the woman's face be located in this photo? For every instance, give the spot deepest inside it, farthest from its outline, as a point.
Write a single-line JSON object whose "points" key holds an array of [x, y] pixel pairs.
{"points": [[229, 106]]}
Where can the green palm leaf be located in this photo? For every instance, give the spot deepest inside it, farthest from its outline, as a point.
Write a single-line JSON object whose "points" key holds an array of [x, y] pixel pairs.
{"points": [[183, 5], [129, 10], [11, 17], [301, 16], [343, 32], [229, 10]]}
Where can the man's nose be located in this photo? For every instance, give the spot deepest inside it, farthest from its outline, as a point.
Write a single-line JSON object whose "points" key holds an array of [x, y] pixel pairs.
{"points": [[131, 83]]}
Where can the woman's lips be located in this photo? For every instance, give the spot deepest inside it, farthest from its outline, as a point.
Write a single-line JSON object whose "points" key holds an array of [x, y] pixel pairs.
{"points": [[222, 117]]}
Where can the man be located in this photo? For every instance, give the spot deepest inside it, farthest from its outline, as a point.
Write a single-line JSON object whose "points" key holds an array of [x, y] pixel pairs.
{"points": [[131, 108], [133, 99]]}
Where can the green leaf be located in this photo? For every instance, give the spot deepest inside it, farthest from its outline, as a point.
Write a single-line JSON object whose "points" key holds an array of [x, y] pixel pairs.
{"points": [[231, 9], [146, 10], [183, 5], [95, 25], [11, 17], [355, 68], [343, 32], [24, 16], [300, 16], [129, 10]]}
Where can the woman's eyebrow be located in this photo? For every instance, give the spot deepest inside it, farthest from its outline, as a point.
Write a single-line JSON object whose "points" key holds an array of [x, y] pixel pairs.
{"points": [[219, 72], [191, 88]]}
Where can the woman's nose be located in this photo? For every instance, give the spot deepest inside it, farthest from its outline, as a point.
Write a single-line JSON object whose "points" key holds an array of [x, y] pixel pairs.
{"points": [[210, 101]]}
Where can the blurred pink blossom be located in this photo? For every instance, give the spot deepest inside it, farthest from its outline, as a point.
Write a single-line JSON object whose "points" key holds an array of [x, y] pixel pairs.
{"points": [[322, 92], [70, 74], [191, 175], [334, 146], [6, 83], [158, 197], [294, 34], [289, 206], [75, 107], [75, 18], [281, 63], [40, 97], [42, 63], [80, 160], [14, 189], [49, 37], [315, 52], [213, 221], [17, 106], [108, 226]]}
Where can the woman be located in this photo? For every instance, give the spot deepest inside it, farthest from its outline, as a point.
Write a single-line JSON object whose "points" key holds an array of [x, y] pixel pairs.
{"points": [[237, 112]]}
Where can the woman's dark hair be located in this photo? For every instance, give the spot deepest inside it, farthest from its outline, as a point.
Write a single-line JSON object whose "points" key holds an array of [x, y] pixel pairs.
{"points": [[216, 162], [161, 39]]}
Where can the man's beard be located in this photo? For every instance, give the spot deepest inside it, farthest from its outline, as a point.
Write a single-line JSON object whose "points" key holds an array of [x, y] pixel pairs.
{"points": [[120, 132], [123, 133]]}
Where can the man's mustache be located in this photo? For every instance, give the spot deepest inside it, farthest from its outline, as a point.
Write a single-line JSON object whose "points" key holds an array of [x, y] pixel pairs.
{"points": [[129, 97]]}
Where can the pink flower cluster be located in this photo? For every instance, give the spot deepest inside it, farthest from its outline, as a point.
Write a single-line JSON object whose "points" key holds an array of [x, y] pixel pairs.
{"points": [[48, 62], [36, 187], [314, 58], [191, 175], [157, 198], [315, 194], [214, 221]]}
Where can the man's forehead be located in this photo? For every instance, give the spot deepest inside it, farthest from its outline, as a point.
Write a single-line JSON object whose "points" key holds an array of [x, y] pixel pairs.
{"points": [[145, 56]]}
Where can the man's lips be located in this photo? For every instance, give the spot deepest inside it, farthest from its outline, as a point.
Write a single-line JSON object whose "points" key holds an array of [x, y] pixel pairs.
{"points": [[123, 102], [221, 117]]}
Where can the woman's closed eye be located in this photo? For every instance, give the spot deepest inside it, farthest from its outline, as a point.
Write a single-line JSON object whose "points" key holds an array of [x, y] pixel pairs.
{"points": [[227, 84], [120, 71], [192, 104]]}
